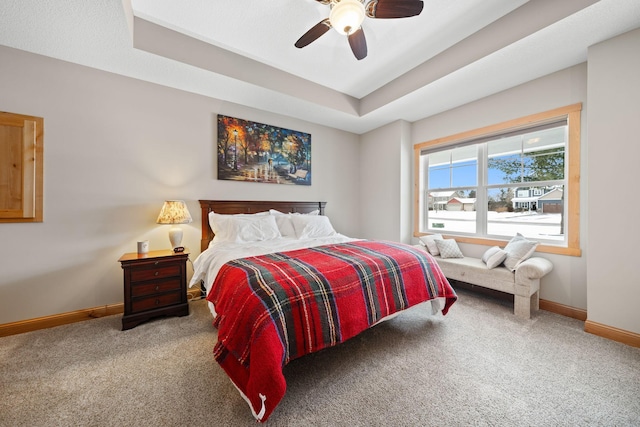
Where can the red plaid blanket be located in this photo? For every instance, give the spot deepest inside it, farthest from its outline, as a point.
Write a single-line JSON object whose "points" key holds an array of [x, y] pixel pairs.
{"points": [[277, 307]]}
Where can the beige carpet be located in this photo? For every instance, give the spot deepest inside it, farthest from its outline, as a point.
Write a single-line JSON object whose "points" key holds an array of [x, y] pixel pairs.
{"points": [[477, 366]]}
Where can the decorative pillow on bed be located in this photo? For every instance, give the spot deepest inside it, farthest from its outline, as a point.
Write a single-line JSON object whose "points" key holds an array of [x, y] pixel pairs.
{"points": [[312, 226], [518, 250], [430, 242], [276, 212], [219, 224], [448, 248], [284, 221], [493, 257], [316, 212], [252, 229]]}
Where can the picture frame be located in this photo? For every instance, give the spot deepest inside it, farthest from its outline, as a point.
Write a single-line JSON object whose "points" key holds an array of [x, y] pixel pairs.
{"points": [[257, 152]]}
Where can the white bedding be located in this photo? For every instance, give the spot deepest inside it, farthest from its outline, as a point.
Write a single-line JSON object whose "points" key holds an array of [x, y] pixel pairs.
{"points": [[209, 262]]}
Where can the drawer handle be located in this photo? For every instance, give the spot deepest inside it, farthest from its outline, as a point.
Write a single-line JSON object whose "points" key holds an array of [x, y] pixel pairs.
{"points": [[157, 302], [157, 287], [156, 263], [156, 273]]}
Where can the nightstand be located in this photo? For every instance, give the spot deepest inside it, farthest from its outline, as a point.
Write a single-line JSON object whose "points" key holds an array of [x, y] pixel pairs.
{"points": [[155, 284]]}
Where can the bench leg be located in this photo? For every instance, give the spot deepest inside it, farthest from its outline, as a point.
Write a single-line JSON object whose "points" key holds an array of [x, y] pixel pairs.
{"points": [[522, 306]]}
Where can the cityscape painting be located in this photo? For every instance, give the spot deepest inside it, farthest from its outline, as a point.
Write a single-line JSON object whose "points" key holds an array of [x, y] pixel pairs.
{"points": [[256, 152]]}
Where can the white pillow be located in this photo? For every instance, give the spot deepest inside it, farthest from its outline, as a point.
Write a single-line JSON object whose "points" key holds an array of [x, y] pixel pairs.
{"points": [[493, 257], [448, 248], [242, 229], [276, 212], [312, 226], [219, 222], [489, 253], [430, 242], [316, 212], [284, 221], [518, 250]]}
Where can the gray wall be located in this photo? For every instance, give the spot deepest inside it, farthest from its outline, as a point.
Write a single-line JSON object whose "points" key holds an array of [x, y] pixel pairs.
{"points": [[114, 149], [386, 183], [613, 280]]}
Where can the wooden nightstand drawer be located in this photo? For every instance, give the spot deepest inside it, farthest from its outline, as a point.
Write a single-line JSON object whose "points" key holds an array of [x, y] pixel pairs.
{"points": [[155, 287], [155, 271], [156, 301]]}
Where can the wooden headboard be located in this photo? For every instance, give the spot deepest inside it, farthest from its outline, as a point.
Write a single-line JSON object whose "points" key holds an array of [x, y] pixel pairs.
{"points": [[229, 207]]}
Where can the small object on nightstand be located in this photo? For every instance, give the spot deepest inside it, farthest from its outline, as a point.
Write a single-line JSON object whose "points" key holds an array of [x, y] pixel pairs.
{"points": [[178, 249], [143, 247], [155, 284]]}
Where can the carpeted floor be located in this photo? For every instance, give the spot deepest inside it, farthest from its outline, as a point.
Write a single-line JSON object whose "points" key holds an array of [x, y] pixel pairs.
{"points": [[477, 366]]}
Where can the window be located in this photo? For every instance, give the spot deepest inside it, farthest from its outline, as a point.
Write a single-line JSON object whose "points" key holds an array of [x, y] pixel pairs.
{"points": [[486, 185]]}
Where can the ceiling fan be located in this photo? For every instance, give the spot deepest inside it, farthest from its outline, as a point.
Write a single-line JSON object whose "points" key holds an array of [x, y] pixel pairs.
{"points": [[346, 17]]}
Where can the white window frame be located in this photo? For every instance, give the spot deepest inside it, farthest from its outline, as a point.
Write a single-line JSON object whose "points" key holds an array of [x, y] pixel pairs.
{"points": [[571, 113]]}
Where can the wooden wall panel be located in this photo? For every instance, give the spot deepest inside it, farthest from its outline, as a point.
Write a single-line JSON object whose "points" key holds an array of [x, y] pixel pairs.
{"points": [[21, 167]]}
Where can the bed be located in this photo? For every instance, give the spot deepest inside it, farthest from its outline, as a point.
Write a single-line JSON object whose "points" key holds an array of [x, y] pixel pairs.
{"points": [[282, 283]]}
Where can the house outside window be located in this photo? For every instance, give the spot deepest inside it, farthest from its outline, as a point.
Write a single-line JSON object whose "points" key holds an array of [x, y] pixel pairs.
{"points": [[489, 186]]}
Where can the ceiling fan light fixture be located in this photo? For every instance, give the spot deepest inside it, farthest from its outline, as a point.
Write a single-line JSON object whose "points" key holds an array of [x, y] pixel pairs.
{"points": [[346, 16]]}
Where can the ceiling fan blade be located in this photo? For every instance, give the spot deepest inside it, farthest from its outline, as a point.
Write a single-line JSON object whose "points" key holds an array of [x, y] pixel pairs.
{"points": [[393, 8], [358, 44], [312, 35]]}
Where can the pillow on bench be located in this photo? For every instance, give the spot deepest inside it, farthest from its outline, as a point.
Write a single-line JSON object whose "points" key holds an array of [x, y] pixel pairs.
{"points": [[448, 248], [494, 256], [518, 250], [430, 242]]}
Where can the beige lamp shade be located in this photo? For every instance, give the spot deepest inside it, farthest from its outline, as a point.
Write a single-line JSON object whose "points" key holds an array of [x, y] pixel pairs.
{"points": [[174, 212]]}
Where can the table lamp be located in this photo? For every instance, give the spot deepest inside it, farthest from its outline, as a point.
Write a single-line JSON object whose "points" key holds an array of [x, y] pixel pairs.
{"points": [[174, 212]]}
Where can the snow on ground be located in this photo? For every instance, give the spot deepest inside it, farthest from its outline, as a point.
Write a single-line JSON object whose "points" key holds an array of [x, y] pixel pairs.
{"points": [[530, 224]]}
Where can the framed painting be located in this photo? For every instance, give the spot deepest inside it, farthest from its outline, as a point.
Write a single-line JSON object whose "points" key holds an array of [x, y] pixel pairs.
{"points": [[256, 152]]}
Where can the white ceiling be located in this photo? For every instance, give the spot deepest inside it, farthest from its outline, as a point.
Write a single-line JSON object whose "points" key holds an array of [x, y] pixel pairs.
{"points": [[242, 51], [267, 31]]}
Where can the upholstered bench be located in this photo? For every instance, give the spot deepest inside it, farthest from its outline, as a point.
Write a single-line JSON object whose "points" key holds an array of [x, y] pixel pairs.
{"points": [[523, 283]]}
